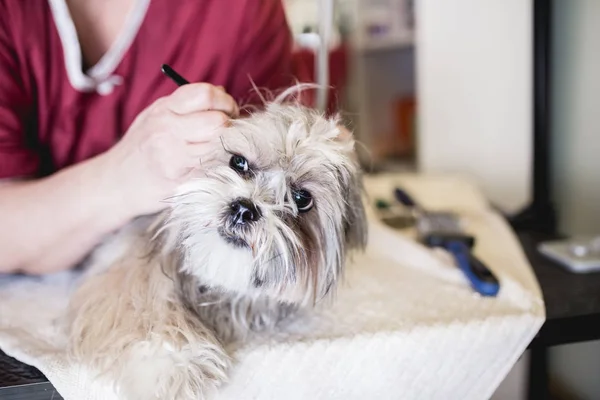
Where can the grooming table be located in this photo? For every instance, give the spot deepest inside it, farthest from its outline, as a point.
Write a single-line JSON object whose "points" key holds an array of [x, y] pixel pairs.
{"points": [[405, 324]]}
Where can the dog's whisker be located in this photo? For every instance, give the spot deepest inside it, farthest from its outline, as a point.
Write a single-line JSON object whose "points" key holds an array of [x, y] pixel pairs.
{"points": [[212, 303]]}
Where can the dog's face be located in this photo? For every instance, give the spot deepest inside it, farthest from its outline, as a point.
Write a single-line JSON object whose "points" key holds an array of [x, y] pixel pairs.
{"points": [[276, 208]]}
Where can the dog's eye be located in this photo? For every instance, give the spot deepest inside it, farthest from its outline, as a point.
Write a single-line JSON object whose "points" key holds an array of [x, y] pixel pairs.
{"points": [[303, 200], [239, 164]]}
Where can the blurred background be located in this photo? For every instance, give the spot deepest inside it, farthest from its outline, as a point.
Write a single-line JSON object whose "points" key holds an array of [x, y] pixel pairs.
{"points": [[446, 87], [372, 72]]}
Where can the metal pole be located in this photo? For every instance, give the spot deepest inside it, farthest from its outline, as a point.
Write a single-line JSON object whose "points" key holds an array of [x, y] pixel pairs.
{"points": [[322, 60]]}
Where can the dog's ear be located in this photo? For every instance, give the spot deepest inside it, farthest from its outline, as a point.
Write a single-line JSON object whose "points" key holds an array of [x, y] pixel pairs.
{"points": [[355, 218]]}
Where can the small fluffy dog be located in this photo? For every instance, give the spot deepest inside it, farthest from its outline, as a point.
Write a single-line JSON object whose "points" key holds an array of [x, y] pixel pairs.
{"points": [[262, 231]]}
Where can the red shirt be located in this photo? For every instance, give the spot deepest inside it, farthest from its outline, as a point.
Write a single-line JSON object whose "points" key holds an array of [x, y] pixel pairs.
{"points": [[52, 115]]}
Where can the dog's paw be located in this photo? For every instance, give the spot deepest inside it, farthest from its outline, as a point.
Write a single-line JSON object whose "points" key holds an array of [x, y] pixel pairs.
{"points": [[168, 373]]}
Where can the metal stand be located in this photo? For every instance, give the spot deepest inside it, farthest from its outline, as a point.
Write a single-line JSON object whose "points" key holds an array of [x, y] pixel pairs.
{"points": [[540, 215], [326, 8]]}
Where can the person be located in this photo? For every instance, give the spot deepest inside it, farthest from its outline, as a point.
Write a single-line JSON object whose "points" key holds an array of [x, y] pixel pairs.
{"points": [[92, 134]]}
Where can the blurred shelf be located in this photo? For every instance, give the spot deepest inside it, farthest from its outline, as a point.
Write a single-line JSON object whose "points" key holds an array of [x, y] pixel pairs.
{"points": [[394, 43], [391, 165]]}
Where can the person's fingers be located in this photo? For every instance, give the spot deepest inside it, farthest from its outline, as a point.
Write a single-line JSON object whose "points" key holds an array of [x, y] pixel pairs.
{"points": [[201, 155], [203, 160], [205, 150], [200, 127], [344, 133], [201, 97]]}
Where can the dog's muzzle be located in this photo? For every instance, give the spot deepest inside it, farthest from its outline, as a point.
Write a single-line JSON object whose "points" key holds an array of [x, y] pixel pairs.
{"points": [[243, 212], [239, 216]]}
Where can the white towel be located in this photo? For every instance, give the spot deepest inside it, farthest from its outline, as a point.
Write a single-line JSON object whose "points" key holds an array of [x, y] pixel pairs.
{"points": [[405, 325]]}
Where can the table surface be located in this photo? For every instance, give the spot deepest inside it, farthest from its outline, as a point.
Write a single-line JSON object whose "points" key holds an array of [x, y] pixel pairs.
{"points": [[572, 315], [572, 300]]}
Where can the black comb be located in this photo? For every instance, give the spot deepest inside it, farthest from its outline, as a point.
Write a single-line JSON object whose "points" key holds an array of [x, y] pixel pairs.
{"points": [[170, 72]]}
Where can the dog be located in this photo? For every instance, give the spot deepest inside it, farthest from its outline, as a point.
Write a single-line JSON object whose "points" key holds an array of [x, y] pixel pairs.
{"points": [[262, 231]]}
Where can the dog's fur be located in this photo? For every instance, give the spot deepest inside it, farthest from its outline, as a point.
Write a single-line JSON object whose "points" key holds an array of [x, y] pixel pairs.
{"points": [[163, 295]]}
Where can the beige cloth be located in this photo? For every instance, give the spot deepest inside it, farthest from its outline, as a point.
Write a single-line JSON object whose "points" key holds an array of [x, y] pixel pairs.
{"points": [[405, 325]]}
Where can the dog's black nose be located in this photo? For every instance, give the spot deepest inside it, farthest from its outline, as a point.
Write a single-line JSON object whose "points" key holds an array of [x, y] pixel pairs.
{"points": [[243, 211]]}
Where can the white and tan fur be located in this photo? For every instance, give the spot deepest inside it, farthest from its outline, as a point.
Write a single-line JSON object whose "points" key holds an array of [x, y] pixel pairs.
{"points": [[163, 296]]}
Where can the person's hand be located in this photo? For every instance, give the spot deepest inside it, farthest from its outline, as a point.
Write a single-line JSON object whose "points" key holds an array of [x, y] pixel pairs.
{"points": [[165, 143]]}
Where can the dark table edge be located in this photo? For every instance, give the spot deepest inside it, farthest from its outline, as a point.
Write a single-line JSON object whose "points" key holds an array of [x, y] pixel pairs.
{"points": [[30, 391], [560, 331]]}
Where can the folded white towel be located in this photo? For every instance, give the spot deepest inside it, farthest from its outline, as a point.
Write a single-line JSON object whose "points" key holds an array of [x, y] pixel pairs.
{"points": [[404, 325]]}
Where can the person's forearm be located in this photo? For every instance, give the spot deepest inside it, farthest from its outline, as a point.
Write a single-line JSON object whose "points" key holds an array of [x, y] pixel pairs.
{"points": [[50, 224]]}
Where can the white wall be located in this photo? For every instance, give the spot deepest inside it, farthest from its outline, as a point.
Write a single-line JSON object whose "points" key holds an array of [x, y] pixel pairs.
{"points": [[474, 88], [576, 123], [576, 152]]}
